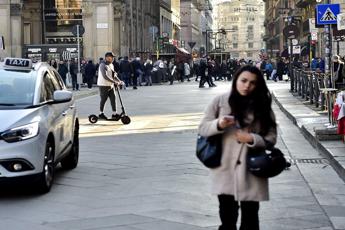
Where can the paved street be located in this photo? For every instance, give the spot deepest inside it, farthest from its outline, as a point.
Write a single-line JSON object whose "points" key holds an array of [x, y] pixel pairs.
{"points": [[145, 176]]}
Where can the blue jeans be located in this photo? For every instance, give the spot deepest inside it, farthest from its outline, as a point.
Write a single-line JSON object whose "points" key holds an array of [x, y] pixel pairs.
{"points": [[75, 85], [125, 78]]}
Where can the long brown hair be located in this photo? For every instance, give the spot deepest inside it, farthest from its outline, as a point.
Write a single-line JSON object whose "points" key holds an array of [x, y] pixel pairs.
{"points": [[259, 101]]}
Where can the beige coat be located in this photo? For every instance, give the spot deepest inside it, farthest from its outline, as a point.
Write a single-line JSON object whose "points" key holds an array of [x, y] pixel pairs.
{"points": [[232, 177]]}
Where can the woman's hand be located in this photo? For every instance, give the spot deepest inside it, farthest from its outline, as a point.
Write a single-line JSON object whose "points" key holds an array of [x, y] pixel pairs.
{"points": [[226, 121], [244, 137]]}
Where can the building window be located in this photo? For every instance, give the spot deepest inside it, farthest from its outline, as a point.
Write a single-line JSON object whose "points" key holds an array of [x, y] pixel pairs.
{"points": [[59, 17], [27, 33], [235, 37], [250, 45], [249, 54], [235, 45]]}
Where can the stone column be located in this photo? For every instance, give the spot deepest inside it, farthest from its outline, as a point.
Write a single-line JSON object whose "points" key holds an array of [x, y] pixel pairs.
{"points": [[89, 50], [11, 27], [5, 29], [16, 28], [118, 34], [98, 20], [32, 18]]}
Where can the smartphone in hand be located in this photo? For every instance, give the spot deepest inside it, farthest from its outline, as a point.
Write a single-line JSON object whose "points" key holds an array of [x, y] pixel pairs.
{"points": [[229, 118]]}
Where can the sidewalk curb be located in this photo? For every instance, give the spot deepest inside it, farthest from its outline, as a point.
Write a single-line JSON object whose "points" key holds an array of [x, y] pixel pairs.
{"points": [[313, 140]]}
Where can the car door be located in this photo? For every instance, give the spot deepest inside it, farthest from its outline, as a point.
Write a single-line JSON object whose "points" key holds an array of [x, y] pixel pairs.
{"points": [[68, 110], [56, 118]]}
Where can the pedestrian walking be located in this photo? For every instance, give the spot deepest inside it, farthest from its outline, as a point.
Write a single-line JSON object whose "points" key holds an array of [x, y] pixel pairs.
{"points": [[125, 70], [268, 69], [196, 69], [107, 79], [90, 71], [63, 70], [251, 125], [73, 70], [223, 70], [148, 71], [186, 71], [203, 73], [280, 70]]}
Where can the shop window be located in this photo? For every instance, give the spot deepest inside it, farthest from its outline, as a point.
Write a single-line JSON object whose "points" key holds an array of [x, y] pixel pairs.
{"points": [[59, 18]]}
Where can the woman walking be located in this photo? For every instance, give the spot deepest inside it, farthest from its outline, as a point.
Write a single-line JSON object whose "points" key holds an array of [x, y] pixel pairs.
{"points": [[245, 118]]}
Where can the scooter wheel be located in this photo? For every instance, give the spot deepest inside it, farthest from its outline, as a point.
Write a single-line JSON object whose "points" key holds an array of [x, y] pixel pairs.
{"points": [[93, 119], [125, 120]]}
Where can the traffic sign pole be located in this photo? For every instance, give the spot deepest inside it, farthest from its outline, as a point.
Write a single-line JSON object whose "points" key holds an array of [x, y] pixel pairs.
{"points": [[79, 80]]}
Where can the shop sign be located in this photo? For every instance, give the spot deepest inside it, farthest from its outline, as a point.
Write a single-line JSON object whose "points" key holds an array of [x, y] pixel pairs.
{"points": [[102, 26], [62, 14], [312, 27], [341, 21], [296, 50], [34, 50], [72, 50], [52, 50]]}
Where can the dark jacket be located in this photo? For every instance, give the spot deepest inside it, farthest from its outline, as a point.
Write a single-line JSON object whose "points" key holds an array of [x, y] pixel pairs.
{"points": [[73, 69], [116, 66], [280, 68], [63, 70], [202, 68], [125, 66], [148, 68], [90, 70]]}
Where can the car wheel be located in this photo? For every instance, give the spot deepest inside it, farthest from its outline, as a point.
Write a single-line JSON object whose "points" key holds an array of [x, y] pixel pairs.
{"points": [[46, 178], [71, 160]]}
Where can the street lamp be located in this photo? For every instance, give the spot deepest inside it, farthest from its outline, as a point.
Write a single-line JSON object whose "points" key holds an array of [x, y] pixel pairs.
{"points": [[291, 32]]}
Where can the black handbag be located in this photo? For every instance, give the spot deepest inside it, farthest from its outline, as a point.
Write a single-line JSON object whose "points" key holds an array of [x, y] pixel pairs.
{"points": [[209, 150], [266, 162]]}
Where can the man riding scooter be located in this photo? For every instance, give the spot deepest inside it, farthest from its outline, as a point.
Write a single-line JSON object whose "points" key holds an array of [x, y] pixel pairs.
{"points": [[107, 79]]}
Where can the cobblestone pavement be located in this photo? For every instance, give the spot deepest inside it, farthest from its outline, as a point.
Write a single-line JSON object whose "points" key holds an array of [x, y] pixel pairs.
{"points": [[145, 176]]}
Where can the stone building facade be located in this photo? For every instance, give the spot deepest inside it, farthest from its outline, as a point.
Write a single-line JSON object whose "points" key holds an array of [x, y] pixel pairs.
{"points": [[42, 29], [244, 22], [277, 14], [196, 18]]}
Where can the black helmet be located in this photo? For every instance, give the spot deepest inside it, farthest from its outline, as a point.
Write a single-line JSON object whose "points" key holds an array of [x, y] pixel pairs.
{"points": [[266, 163]]}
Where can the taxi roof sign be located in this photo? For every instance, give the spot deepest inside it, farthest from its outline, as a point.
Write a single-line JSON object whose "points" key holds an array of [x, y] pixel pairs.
{"points": [[18, 63]]}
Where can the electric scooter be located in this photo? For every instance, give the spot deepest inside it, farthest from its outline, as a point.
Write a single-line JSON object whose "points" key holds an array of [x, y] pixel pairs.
{"points": [[125, 119]]}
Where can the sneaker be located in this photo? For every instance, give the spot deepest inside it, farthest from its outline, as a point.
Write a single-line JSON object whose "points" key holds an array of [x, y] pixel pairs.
{"points": [[115, 117], [102, 116], [135, 87]]}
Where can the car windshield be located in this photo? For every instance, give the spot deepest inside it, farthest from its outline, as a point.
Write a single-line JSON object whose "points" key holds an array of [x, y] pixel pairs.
{"points": [[16, 88]]}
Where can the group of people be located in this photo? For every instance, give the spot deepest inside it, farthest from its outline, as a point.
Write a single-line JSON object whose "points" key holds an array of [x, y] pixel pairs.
{"points": [[88, 72]]}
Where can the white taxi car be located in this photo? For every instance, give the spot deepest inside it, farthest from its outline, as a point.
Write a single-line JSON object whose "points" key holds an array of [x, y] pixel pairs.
{"points": [[39, 126]]}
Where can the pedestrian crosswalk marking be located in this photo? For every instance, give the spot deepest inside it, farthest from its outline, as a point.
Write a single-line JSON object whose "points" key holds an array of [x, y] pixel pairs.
{"points": [[328, 16], [141, 124]]}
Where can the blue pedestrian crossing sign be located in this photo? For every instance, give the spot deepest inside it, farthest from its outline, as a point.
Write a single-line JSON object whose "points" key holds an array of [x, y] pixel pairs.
{"points": [[327, 14]]}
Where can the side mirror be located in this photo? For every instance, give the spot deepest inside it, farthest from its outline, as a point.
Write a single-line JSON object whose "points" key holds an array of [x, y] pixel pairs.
{"points": [[62, 96]]}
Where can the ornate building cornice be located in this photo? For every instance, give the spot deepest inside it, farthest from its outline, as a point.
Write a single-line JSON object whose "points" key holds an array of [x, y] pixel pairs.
{"points": [[16, 9]]}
